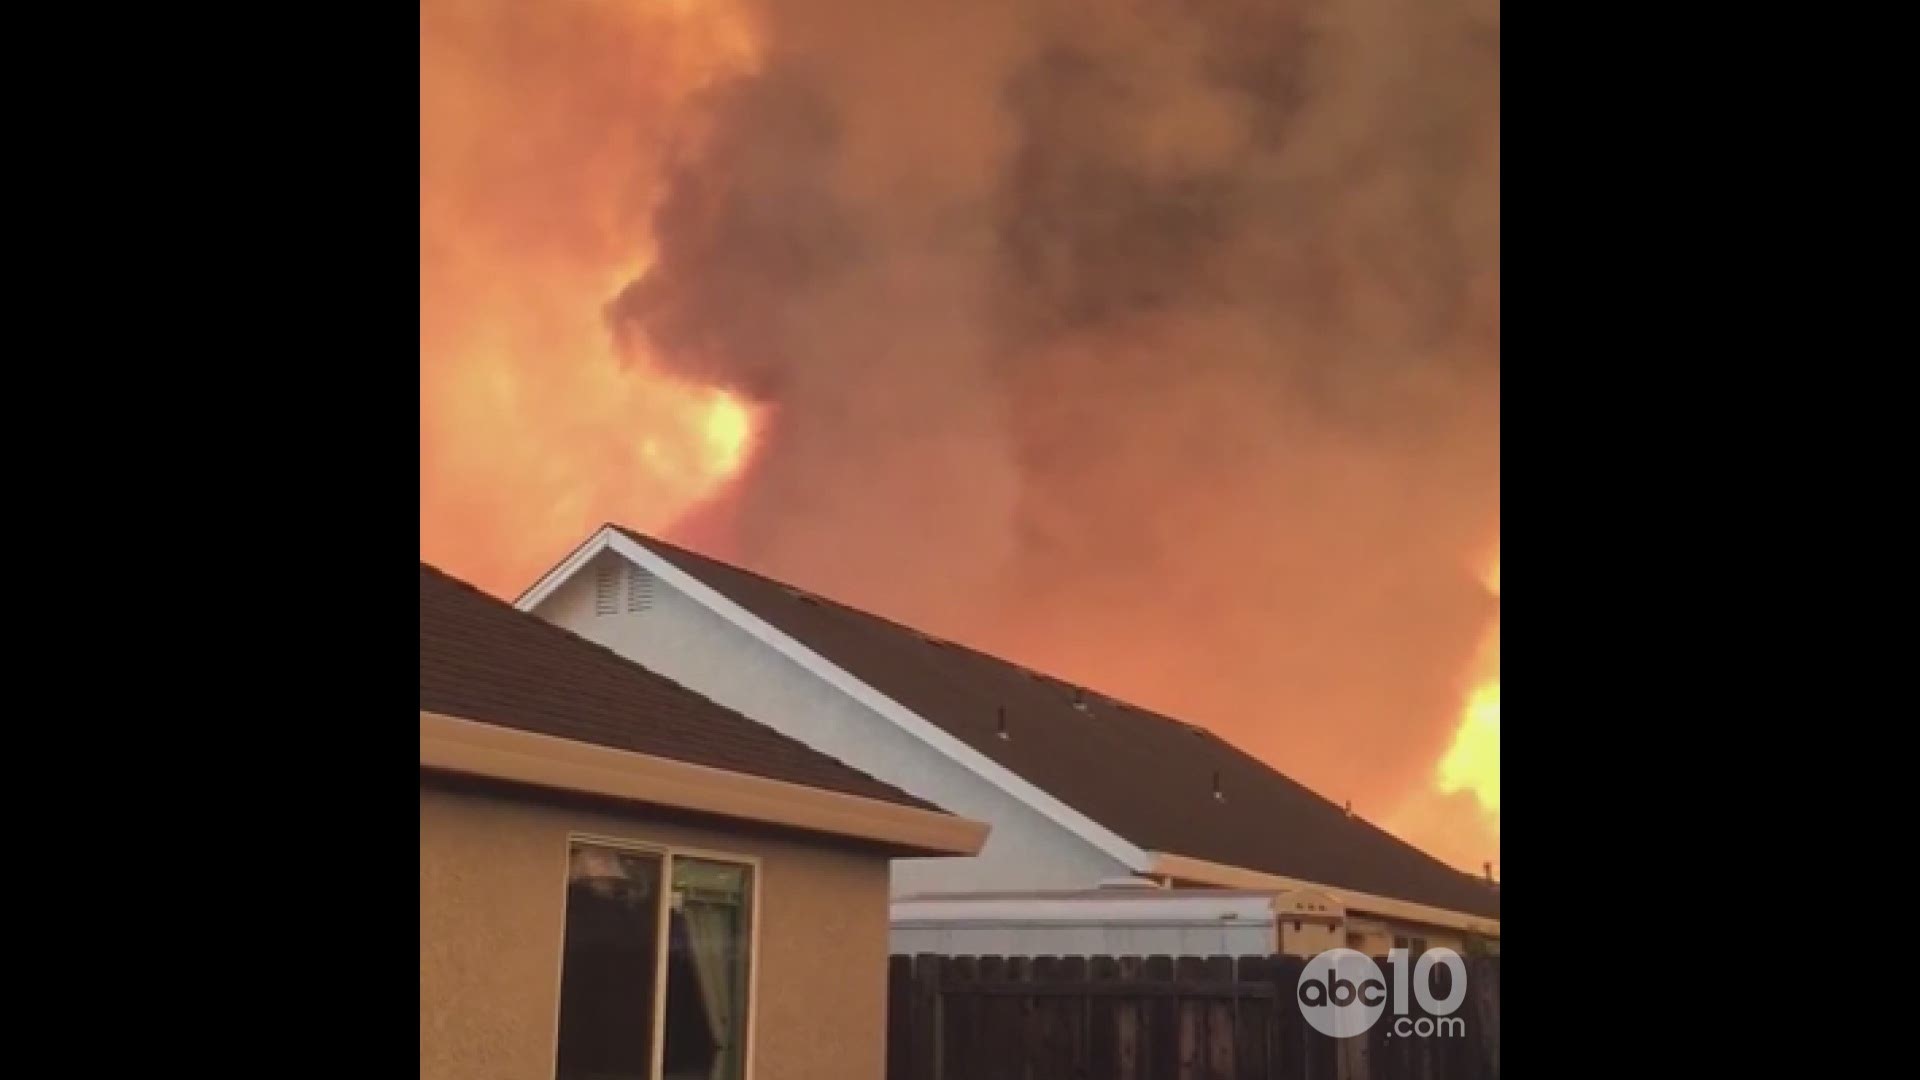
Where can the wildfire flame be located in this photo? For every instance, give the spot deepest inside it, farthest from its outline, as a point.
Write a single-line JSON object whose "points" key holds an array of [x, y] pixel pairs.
{"points": [[543, 135], [1472, 763]]}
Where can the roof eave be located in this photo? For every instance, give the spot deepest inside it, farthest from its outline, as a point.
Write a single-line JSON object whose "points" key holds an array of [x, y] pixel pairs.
{"points": [[466, 747], [1187, 868]]}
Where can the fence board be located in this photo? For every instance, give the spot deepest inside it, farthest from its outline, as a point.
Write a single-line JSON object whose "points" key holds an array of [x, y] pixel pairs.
{"points": [[1483, 1016], [1191, 971], [1252, 1021], [960, 1018], [899, 1018], [1130, 1022], [998, 1049], [1078, 1019], [1290, 1028], [1020, 1024], [1219, 1013], [1103, 1027], [1163, 1020], [1052, 1052]]}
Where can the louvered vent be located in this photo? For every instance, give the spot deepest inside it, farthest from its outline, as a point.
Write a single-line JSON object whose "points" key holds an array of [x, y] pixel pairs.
{"points": [[639, 589], [606, 589]]}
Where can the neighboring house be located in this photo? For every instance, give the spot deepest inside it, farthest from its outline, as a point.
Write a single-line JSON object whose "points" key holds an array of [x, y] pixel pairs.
{"points": [[619, 877], [1080, 789]]}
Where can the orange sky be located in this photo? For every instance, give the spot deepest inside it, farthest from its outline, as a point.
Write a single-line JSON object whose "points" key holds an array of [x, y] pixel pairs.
{"points": [[542, 128], [546, 135]]}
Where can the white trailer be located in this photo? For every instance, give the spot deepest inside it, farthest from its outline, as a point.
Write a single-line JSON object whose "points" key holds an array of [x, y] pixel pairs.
{"points": [[1122, 920]]}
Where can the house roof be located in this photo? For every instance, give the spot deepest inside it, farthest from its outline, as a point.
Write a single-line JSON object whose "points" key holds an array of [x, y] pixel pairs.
{"points": [[1147, 778], [483, 660]]}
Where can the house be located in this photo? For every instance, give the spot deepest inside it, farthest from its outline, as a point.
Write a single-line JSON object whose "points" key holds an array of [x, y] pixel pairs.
{"points": [[621, 878], [1079, 788]]}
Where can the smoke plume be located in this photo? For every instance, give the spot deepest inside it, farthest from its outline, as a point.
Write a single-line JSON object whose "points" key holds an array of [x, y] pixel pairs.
{"points": [[1152, 343]]}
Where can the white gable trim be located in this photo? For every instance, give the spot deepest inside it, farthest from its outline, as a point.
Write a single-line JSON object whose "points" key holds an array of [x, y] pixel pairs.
{"points": [[456, 744], [569, 566], [1101, 837]]}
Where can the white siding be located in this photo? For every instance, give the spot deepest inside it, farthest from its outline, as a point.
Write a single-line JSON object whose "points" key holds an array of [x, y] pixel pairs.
{"points": [[683, 640], [1084, 939], [1144, 922]]}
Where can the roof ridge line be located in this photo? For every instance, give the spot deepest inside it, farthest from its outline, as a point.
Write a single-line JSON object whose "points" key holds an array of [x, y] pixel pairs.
{"points": [[629, 666]]}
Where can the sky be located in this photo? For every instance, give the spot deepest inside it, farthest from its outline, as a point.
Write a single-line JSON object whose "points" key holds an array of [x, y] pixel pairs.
{"points": [[1154, 345]]}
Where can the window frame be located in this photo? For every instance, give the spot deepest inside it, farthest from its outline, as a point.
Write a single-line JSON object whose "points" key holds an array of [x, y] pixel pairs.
{"points": [[667, 853]]}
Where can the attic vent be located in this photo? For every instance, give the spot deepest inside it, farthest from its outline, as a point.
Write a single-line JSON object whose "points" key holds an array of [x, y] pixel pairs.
{"points": [[639, 589], [606, 589]]}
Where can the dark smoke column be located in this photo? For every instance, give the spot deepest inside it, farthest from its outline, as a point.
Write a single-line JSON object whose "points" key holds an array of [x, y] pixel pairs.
{"points": [[1156, 344]]}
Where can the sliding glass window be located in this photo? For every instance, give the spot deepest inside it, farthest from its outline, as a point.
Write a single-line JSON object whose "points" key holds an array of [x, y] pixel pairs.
{"points": [[631, 1010]]}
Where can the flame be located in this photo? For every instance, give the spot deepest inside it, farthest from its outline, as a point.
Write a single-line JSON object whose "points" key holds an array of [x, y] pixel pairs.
{"points": [[544, 135], [729, 431], [1472, 763]]}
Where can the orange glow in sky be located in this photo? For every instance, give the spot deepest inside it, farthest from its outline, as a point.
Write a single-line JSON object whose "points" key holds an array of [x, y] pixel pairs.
{"points": [[543, 134], [547, 134]]}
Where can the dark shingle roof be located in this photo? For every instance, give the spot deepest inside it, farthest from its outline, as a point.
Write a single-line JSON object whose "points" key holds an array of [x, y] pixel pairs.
{"points": [[1146, 777], [480, 659]]}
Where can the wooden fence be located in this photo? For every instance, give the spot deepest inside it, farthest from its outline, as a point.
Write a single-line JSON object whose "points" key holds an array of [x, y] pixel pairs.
{"points": [[1160, 1018]]}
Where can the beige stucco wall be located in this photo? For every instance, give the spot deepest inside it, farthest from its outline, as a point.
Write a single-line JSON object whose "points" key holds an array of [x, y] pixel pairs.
{"points": [[492, 902], [1313, 937], [1378, 934]]}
